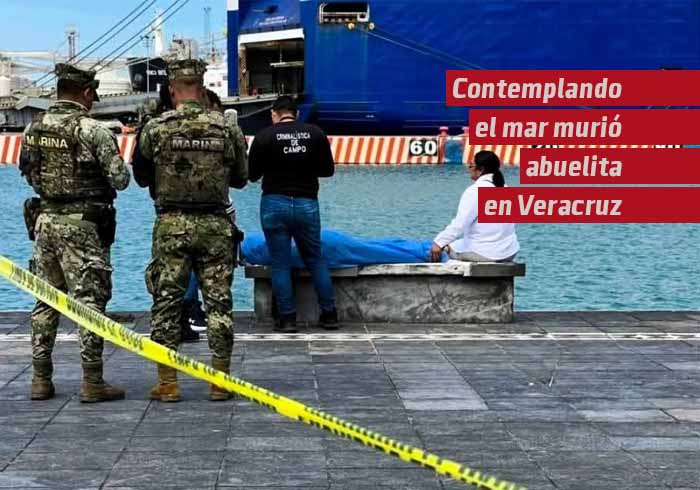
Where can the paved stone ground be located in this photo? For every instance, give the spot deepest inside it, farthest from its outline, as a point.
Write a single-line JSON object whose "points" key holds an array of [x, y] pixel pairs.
{"points": [[567, 401]]}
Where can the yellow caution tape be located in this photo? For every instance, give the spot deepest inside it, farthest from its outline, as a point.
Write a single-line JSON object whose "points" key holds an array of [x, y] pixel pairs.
{"points": [[130, 340]]}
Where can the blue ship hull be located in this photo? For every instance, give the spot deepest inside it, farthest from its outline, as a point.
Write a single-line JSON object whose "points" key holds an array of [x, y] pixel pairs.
{"points": [[389, 77]]}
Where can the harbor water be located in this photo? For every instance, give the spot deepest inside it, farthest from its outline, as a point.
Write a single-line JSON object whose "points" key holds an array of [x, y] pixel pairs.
{"points": [[569, 267]]}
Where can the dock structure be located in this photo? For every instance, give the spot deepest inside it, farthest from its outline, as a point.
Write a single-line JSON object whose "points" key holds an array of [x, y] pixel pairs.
{"points": [[552, 401], [447, 293]]}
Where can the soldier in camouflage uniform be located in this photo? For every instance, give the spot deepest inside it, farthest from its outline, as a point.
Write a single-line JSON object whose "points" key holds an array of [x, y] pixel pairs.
{"points": [[74, 164], [189, 157]]}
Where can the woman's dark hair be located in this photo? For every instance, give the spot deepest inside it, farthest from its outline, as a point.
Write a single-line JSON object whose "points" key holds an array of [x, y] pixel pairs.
{"points": [[489, 163], [214, 101]]}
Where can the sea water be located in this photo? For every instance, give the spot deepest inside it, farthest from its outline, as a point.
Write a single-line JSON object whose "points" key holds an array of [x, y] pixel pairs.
{"points": [[569, 267]]}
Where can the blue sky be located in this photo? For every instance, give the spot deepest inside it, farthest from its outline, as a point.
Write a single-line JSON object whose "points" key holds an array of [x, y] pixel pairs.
{"points": [[41, 24]]}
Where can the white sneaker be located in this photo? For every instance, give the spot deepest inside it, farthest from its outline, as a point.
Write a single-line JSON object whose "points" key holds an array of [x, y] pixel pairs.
{"points": [[197, 328]]}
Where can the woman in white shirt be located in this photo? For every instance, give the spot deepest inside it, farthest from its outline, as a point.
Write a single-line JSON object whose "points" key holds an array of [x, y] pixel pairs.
{"points": [[467, 239]]}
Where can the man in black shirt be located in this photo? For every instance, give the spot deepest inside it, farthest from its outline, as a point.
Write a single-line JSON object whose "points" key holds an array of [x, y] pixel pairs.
{"points": [[290, 157]]}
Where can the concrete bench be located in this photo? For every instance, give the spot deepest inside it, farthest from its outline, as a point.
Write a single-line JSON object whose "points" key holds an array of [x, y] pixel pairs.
{"points": [[451, 292]]}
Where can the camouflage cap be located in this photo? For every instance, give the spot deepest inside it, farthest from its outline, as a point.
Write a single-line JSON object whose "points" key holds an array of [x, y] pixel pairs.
{"points": [[186, 69], [85, 78]]}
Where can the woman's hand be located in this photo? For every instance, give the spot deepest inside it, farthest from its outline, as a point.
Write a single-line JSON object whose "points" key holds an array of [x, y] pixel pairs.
{"points": [[435, 253]]}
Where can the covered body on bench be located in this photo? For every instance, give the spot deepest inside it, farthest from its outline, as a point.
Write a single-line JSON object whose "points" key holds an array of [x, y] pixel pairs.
{"points": [[450, 292]]}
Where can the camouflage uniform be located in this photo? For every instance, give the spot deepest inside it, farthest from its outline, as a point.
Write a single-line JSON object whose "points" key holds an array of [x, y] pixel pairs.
{"points": [[74, 164], [190, 159]]}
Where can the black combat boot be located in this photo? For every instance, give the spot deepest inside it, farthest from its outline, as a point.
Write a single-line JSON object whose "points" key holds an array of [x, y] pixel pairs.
{"points": [[188, 335], [287, 323], [329, 320], [195, 315]]}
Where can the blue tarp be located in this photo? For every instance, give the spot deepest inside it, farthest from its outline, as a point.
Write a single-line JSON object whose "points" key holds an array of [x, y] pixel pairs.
{"points": [[341, 250], [268, 15]]}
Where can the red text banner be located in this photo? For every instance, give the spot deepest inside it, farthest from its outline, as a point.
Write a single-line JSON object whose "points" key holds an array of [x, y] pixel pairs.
{"points": [[589, 205], [609, 166], [551, 88], [594, 126]]}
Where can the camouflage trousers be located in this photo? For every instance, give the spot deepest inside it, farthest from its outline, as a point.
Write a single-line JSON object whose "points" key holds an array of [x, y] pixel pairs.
{"points": [[182, 243], [69, 255]]}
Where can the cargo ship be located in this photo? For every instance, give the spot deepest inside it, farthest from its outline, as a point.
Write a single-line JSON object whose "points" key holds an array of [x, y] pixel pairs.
{"points": [[378, 67]]}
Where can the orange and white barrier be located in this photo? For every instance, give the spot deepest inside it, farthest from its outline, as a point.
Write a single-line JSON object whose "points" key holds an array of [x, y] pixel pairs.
{"points": [[10, 145], [353, 150], [377, 150]]}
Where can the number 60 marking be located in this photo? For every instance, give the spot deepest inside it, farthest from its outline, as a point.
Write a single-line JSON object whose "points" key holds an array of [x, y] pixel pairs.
{"points": [[423, 147]]}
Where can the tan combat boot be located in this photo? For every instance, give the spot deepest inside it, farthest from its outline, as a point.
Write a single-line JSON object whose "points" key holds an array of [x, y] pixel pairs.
{"points": [[42, 386], [217, 394], [93, 389], [166, 390]]}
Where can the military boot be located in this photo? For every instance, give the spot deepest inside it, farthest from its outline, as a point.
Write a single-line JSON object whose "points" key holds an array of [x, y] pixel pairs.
{"points": [[287, 324], [42, 386], [166, 390], [93, 389], [217, 394]]}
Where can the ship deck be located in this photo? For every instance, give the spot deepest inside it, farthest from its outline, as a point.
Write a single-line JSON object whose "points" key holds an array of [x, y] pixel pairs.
{"points": [[566, 401]]}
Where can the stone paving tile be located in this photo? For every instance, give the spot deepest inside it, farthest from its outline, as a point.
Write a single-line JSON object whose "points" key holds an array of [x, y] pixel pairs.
{"points": [[169, 429], [610, 485], [626, 416], [43, 444], [648, 429], [595, 403], [688, 477], [19, 431], [683, 366], [265, 469], [336, 444], [9, 448], [686, 415], [454, 447], [664, 316], [362, 458], [539, 416], [163, 475], [595, 468], [246, 487], [58, 479], [561, 437], [192, 460], [661, 460], [178, 444], [624, 409], [278, 444], [77, 458], [531, 477], [658, 443], [406, 477]]}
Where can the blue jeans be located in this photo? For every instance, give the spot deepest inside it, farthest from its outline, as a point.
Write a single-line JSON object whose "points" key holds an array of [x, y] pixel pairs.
{"points": [[192, 293], [284, 218]]}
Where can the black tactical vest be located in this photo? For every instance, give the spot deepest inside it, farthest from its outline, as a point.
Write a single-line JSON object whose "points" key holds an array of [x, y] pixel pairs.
{"points": [[66, 175], [190, 168]]}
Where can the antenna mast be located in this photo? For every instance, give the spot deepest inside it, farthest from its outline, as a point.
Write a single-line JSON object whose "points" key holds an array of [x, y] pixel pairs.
{"points": [[72, 34], [207, 32]]}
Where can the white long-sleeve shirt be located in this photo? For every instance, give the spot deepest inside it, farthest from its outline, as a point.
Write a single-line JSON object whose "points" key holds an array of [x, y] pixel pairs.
{"points": [[495, 241]]}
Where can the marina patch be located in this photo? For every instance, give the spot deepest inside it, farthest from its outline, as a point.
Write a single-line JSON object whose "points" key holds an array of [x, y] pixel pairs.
{"points": [[202, 144]]}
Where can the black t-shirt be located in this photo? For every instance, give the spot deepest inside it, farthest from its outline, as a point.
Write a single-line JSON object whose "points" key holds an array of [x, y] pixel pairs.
{"points": [[290, 157]]}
